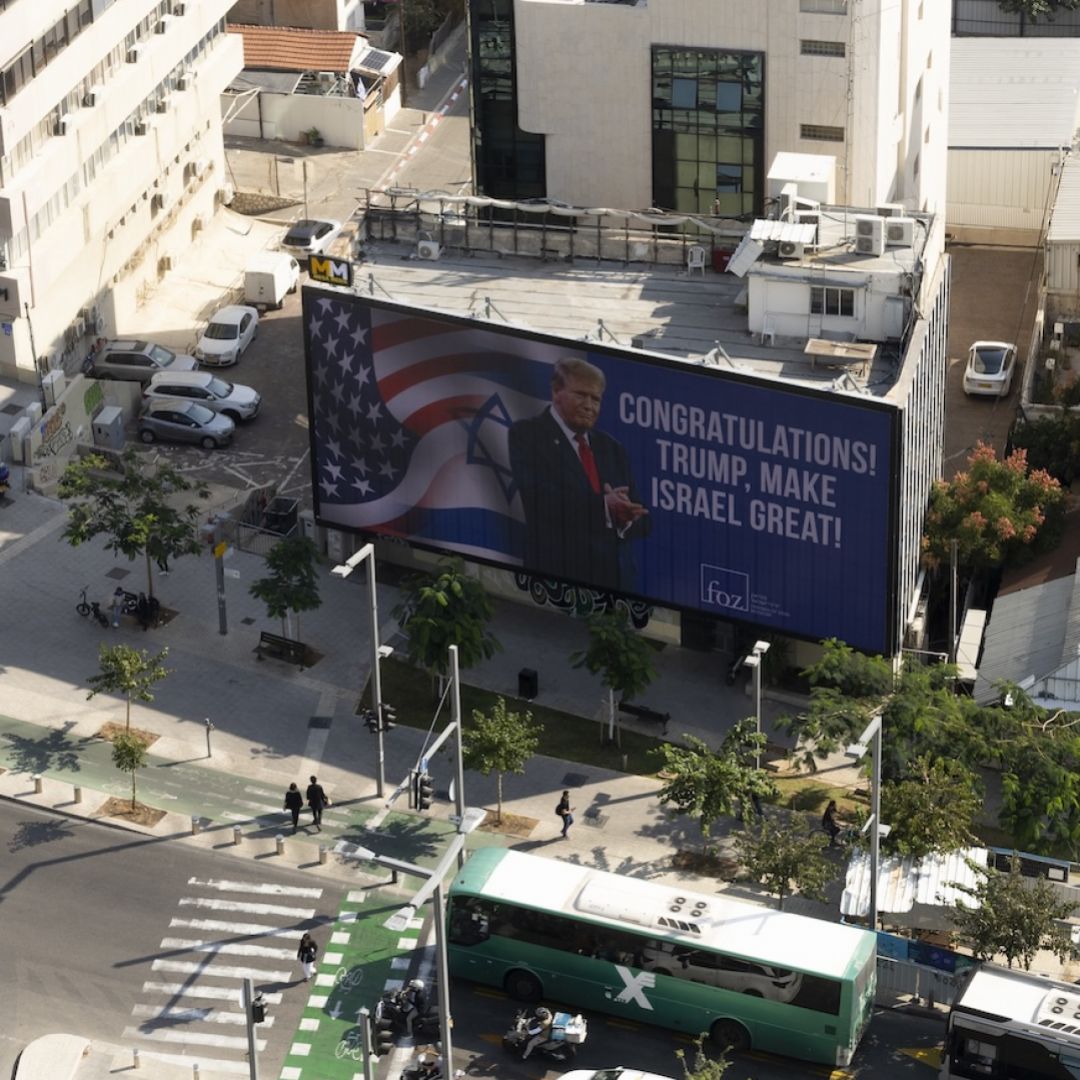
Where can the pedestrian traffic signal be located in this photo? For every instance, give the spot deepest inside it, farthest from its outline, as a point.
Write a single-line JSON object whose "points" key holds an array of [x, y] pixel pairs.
{"points": [[381, 1030], [372, 721], [258, 1009], [389, 715], [425, 791]]}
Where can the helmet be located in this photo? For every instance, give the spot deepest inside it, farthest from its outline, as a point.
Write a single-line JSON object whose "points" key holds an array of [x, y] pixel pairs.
{"points": [[416, 984], [543, 1014], [427, 1060]]}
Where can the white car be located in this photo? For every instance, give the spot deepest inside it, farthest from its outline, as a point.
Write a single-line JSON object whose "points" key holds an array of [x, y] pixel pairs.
{"points": [[990, 368], [311, 236], [227, 336], [618, 1073]]}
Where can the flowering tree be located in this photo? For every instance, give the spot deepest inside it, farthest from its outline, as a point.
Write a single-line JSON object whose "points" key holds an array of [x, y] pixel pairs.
{"points": [[999, 511]]}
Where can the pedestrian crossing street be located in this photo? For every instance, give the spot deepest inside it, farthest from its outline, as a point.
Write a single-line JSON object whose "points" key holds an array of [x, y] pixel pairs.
{"points": [[191, 1010], [264, 804]]}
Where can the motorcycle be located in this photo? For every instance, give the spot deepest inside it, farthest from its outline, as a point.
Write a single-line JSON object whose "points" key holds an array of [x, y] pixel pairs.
{"points": [[565, 1034], [392, 1011]]}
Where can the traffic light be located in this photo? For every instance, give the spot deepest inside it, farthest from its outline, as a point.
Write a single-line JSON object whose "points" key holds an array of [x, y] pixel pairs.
{"points": [[371, 720], [425, 791], [389, 715], [382, 1033], [258, 1009]]}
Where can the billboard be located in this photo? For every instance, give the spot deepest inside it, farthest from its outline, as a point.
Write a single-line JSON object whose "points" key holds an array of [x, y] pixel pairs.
{"points": [[686, 486]]}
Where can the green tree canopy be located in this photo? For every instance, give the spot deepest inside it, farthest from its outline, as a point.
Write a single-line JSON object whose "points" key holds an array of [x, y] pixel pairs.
{"points": [[1013, 916], [293, 583], [934, 809], [1052, 443], [708, 785], [785, 856], [450, 609], [129, 755], [500, 742], [703, 1066], [138, 506], [127, 671], [1000, 512]]}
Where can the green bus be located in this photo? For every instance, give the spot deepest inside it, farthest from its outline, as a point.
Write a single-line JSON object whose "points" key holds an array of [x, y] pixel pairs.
{"points": [[748, 976]]}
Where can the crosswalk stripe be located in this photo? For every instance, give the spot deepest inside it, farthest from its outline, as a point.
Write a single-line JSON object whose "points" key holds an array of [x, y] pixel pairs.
{"points": [[210, 1065], [266, 889], [239, 928], [211, 993], [226, 948], [189, 1016], [250, 908], [221, 971], [195, 1038]]}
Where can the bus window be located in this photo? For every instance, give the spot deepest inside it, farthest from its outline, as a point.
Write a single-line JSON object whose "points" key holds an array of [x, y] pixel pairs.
{"points": [[469, 920]]}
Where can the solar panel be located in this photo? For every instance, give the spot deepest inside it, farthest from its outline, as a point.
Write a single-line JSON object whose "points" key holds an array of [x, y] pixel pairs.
{"points": [[375, 60]]}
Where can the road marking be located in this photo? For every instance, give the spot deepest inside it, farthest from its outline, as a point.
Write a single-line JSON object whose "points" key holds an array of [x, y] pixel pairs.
{"points": [[195, 1038], [340, 937], [191, 1016], [250, 887], [226, 948], [252, 908], [259, 929], [211, 993], [212, 1065], [188, 967]]}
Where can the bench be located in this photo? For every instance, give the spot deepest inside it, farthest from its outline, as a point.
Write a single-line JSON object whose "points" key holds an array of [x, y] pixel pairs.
{"points": [[643, 712], [281, 648]]}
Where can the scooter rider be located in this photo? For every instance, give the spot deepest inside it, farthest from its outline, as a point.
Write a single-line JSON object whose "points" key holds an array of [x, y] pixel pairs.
{"points": [[415, 1003], [429, 1067], [539, 1030]]}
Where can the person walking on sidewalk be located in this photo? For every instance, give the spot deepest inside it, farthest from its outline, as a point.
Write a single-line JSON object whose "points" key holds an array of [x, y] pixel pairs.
{"points": [[317, 799], [566, 812], [294, 803], [306, 954]]}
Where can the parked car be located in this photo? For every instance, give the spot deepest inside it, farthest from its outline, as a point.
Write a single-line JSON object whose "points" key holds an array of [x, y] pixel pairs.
{"points": [[268, 277], [233, 400], [137, 361], [618, 1073], [725, 972], [990, 368], [185, 421], [227, 336], [310, 236]]}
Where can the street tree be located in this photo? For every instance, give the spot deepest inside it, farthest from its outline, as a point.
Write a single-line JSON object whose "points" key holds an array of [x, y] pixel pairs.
{"points": [[619, 655], [500, 742], [933, 809], [999, 511], [1038, 9], [128, 671], [703, 1066], [129, 756], [1012, 916], [785, 857], [1052, 443], [140, 508], [708, 785], [292, 586], [450, 609]]}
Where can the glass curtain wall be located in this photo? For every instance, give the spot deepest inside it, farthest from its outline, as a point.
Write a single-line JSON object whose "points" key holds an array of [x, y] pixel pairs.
{"points": [[708, 130]]}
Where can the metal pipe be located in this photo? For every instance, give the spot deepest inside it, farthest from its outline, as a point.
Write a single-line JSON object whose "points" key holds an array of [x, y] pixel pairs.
{"points": [[442, 965], [455, 713], [248, 996], [364, 1019], [875, 815], [376, 681]]}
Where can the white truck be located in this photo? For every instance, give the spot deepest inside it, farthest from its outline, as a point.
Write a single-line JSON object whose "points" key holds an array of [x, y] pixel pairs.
{"points": [[268, 277]]}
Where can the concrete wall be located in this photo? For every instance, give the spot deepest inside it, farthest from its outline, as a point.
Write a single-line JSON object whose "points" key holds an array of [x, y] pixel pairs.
{"points": [[340, 120]]}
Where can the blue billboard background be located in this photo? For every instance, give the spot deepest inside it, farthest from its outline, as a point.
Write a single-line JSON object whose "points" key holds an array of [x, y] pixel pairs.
{"points": [[766, 505]]}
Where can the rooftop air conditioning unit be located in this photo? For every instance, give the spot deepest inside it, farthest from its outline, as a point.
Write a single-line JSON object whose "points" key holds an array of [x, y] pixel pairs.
{"points": [[900, 232], [428, 249], [327, 78], [132, 55], [891, 209], [869, 234], [790, 250]]}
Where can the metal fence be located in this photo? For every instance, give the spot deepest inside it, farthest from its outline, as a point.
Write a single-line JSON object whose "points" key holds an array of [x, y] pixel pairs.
{"points": [[905, 982]]}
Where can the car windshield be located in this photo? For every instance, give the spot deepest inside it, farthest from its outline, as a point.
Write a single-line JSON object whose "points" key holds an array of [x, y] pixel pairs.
{"points": [[988, 361], [301, 232], [199, 413], [222, 331], [161, 356], [219, 388]]}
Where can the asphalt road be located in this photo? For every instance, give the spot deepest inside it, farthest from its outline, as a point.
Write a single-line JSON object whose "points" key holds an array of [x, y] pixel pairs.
{"points": [[96, 921]]}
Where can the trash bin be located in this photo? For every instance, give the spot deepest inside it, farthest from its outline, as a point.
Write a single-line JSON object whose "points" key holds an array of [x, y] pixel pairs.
{"points": [[528, 683], [720, 259]]}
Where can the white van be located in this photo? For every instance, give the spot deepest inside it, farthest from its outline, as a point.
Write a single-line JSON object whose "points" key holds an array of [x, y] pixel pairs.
{"points": [[268, 277]]}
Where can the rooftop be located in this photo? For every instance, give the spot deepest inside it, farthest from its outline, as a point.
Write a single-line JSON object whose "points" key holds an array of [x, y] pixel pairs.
{"points": [[286, 48]]}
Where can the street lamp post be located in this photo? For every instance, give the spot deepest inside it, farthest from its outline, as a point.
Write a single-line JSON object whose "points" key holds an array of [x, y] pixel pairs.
{"points": [[753, 661], [367, 554], [871, 739]]}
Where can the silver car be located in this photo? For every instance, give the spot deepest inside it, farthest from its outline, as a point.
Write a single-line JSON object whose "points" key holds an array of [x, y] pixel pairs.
{"points": [[137, 361], [231, 399], [185, 421]]}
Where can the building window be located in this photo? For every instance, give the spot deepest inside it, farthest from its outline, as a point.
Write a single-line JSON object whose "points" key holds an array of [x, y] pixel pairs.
{"points": [[708, 124], [821, 132], [824, 7], [809, 47], [832, 301]]}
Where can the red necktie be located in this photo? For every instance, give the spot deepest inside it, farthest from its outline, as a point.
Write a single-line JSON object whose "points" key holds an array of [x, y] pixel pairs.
{"points": [[588, 462]]}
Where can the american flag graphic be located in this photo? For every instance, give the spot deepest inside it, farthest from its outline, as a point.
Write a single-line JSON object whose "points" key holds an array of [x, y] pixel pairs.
{"points": [[410, 420]]}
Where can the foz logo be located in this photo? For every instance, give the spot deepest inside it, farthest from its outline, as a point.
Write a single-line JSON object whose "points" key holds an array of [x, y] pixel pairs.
{"points": [[330, 271], [725, 588]]}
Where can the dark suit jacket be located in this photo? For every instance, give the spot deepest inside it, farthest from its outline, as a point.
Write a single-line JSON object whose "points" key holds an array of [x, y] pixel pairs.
{"points": [[566, 530]]}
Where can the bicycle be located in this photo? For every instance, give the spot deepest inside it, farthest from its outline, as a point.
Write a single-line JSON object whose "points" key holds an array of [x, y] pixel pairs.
{"points": [[91, 608]]}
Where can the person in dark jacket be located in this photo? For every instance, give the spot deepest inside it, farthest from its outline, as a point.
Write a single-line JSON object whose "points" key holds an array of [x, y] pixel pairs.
{"points": [[294, 803], [306, 954], [317, 800]]}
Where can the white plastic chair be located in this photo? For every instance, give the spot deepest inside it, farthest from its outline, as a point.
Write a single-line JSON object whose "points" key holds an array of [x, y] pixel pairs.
{"points": [[695, 259]]}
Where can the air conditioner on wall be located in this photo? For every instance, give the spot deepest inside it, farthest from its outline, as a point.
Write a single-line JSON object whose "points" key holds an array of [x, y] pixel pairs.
{"points": [[162, 106], [140, 127], [182, 82], [869, 234], [788, 249], [900, 232], [133, 55], [178, 9], [428, 249]]}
